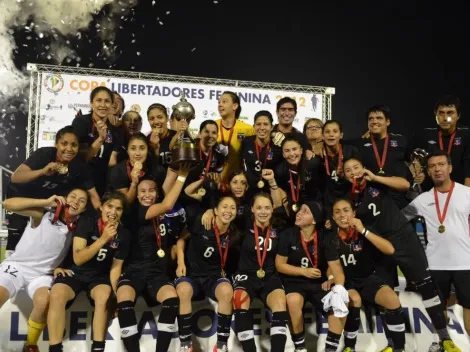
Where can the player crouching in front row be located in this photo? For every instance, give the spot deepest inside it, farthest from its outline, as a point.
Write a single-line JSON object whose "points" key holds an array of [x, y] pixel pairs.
{"points": [[100, 246], [43, 246]]}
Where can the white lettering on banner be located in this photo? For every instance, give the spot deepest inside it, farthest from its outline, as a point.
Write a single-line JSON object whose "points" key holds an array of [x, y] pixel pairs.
{"points": [[73, 94], [204, 325]]}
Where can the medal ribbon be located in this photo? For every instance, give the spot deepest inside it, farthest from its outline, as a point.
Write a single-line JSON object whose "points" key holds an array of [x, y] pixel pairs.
{"points": [[294, 194], [355, 187], [351, 236], [339, 167], [71, 225], [380, 163], [314, 262], [258, 150], [208, 161], [129, 170], [442, 216], [156, 227], [451, 142], [223, 254], [221, 129], [258, 249]]}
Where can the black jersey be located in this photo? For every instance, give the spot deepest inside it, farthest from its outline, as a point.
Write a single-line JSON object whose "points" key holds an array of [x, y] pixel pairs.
{"points": [[290, 246], [397, 154], [164, 150], [143, 254], [78, 176], [296, 134], [100, 264], [248, 258], [378, 211], [269, 157], [120, 178], [203, 252], [216, 163], [356, 256], [428, 139], [311, 176], [87, 134], [336, 186]]}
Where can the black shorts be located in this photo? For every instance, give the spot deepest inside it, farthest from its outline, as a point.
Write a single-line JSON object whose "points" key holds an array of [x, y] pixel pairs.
{"points": [[367, 287], [146, 286], [203, 285], [256, 287], [78, 284], [409, 255], [461, 281], [310, 291]]}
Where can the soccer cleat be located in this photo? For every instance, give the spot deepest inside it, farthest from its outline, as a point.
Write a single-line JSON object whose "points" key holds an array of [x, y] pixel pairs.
{"points": [[223, 349], [449, 345], [31, 348], [435, 347], [186, 348], [349, 349], [387, 349]]}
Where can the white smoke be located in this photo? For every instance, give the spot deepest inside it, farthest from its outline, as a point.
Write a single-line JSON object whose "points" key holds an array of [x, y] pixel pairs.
{"points": [[59, 18]]}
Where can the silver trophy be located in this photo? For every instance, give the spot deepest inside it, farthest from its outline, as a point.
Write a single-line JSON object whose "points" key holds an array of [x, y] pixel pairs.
{"points": [[419, 159]]}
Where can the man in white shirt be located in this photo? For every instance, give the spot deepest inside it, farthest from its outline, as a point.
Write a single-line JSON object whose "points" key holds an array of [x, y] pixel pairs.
{"points": [[446, 209], [43, 246]]}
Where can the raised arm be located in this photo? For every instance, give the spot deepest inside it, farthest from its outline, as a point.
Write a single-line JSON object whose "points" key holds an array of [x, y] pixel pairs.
{"points": [[31, 207]]}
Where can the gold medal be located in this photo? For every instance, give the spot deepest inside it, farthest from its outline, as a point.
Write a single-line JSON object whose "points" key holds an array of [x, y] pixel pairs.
{"points": [[261, 273], [260, 184], [381, 171], [441, 228], [295, 208], [161, 253], [63, 169], [223, 273], [138, 165], [201, 192], [135, 173]]}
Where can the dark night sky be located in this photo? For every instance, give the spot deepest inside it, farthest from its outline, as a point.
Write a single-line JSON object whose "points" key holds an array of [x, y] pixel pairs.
{"points": [[400, 53]]}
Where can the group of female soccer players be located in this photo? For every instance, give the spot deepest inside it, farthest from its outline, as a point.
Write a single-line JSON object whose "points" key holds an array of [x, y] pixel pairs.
{"points": [[301, 220]]}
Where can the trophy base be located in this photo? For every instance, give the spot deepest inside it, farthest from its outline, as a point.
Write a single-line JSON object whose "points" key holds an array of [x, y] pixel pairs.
{"points": [[184, 152]]}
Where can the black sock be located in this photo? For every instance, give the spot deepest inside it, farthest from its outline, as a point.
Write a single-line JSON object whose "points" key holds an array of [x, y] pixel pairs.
{"points": [[167, 323], [128, 324], [396, 325], [433, 306], [384, 326], [299, 340], [351, 327], [223, 329], [279, 331], [55, 348], [332, 342], [184, 328], [244, 329], [98, 346]]}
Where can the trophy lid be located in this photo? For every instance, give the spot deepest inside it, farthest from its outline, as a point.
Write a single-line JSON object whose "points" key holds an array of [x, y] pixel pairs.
{"points": [[183, 110]]}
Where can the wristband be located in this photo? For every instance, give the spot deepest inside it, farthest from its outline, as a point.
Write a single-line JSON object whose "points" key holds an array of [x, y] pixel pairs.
{"points": [[364, 231], [331, 277], [367, 232], [181, 179]]}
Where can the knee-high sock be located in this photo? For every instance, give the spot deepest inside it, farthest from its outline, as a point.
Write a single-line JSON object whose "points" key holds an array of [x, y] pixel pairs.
{"points": [[223, 329], [184, 329], [244, 328], [167, 323], [332, 341], [128, 324], [396, 325], [34, 331], [351, 327], [278, 331]]}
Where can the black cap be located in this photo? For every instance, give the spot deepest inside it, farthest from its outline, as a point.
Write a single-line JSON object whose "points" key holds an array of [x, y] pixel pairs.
{"points": [[316, 209]]}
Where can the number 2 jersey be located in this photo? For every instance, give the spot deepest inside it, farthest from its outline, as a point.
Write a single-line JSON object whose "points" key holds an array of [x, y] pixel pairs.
{"points": [[378, 211], [100, 264], [290, 246]]}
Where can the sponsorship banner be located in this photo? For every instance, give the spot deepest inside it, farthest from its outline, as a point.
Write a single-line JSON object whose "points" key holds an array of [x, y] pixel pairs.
{"points": [[14, 316], [62, 95]]}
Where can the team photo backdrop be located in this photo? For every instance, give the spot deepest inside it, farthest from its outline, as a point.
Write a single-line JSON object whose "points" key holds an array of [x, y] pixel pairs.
{"points": [[62, 95]]}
